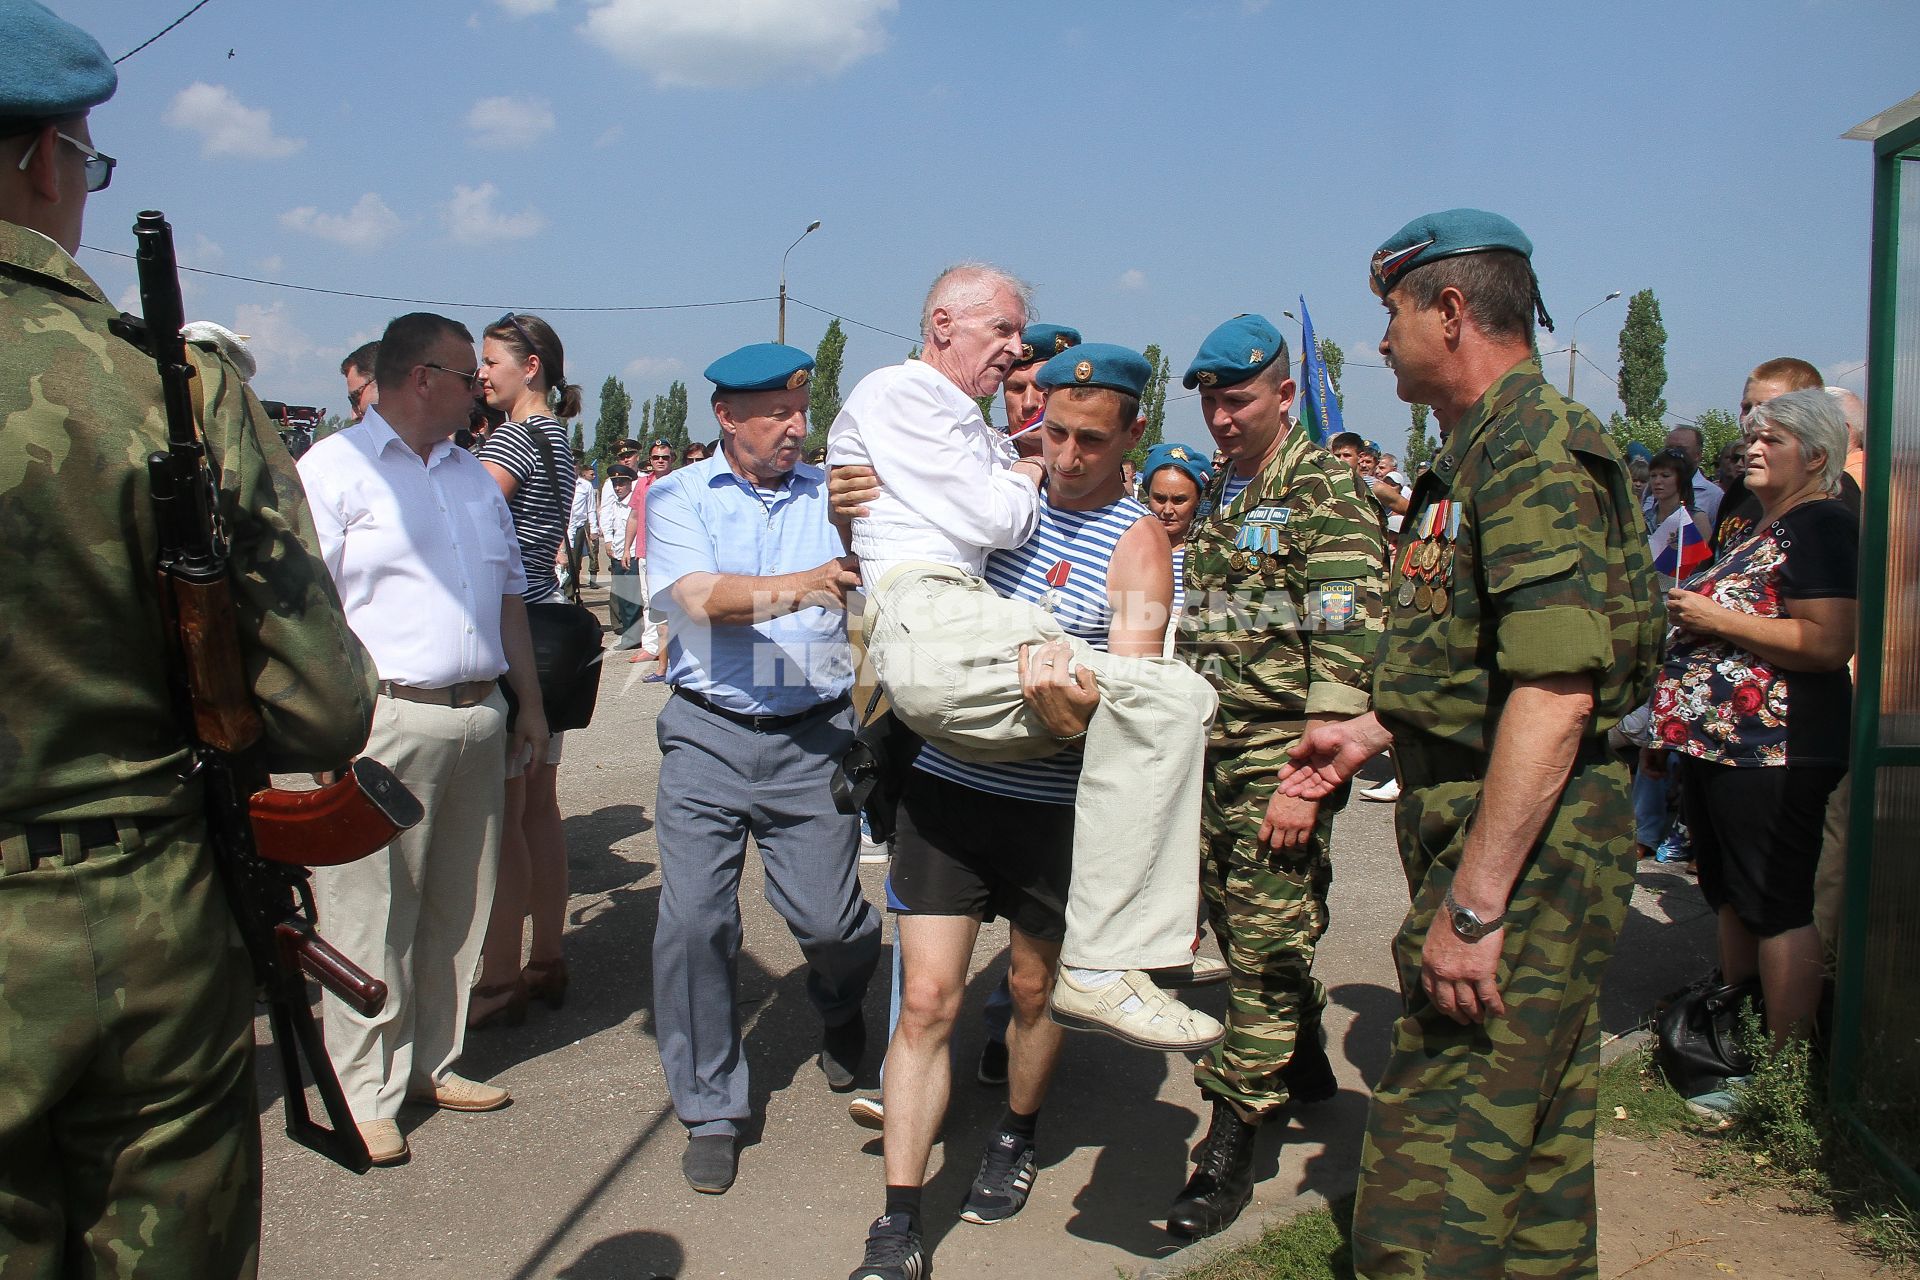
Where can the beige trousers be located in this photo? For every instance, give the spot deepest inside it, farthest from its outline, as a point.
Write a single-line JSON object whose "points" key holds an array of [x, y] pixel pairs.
{"points": [[946, 648], [413, 914]]}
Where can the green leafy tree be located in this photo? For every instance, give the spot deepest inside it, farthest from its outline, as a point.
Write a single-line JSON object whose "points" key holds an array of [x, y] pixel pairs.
{"points": [[646, 424], [823, 396], [1336, 361], [1153, 403], [1720, 429], [1420, 445], [328, 425], [986, 407], [616, 407], [1643, 360], [579, 441], [1651, 432]]}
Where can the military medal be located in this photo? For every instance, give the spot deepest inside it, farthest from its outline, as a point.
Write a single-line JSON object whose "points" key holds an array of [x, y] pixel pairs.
{"points": [[1422, 597], [1056, 579], [1406, 593], [1438, 603], [1272, 564]]}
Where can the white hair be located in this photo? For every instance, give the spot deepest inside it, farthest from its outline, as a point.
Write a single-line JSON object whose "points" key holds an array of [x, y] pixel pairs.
{"points": [[1816, 424], [970, 284], [1855, 410]]}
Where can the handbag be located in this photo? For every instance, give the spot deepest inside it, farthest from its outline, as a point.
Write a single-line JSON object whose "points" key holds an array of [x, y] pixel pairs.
{"points": [[566, 640], [1697, 1035], [872, 773]]}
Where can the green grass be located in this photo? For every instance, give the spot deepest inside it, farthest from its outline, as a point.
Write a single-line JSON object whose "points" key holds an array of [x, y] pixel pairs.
{"points": [[1636, 1103], [1308, 1246]]}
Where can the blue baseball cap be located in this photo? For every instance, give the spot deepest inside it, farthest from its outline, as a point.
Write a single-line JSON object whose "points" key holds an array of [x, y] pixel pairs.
{"points": [[1235, 351], [762, 366], [49, 68]]}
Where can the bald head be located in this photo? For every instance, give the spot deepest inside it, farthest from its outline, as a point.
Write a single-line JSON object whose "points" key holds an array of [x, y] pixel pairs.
{"points": [[1855, 411]]}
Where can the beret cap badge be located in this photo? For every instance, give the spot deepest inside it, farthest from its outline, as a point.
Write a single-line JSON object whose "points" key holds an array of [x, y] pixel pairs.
{"points": [[1026, 352], [1255, 356], [1206, 377], [798, 379], [1083, 371]]}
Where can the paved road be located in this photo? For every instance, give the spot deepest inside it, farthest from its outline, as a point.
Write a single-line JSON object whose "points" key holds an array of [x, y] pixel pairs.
{"points": [[580, 1178]]}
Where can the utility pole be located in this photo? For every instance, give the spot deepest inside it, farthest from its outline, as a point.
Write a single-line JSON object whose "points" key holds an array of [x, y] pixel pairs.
{"points": [[1573, 337], [811, 228]]}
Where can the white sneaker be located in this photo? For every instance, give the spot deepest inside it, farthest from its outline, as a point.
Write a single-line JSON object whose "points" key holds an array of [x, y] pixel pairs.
{"points": [[1388, 791], [1135, 1010], [872, 850]]}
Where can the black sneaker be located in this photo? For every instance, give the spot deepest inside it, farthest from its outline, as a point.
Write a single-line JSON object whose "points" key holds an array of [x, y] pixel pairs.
{"points": [[1005, 1179], [993, 1063], [841, 1049], [893, 1252]]}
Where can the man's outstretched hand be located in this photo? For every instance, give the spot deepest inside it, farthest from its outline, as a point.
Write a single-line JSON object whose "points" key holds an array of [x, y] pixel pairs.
{"points": [[1329, 754]]}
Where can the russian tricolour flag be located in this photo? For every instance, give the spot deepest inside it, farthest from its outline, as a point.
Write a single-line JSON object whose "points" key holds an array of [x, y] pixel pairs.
{"points": [[1685, 555]]}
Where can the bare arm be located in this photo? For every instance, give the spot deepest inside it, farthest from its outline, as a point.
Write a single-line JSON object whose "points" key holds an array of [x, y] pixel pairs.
{"points": [[508, 482], [530, 719], [731, 599], [1818, 636]]}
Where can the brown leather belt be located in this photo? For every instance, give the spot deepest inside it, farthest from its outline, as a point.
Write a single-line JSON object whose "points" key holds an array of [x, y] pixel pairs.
{"points": [[470, 693]]}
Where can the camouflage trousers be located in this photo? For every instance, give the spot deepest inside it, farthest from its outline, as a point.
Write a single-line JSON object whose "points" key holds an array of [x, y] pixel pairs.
{"points": [[1269, 912], [1479, 1150], [129, 1139]]}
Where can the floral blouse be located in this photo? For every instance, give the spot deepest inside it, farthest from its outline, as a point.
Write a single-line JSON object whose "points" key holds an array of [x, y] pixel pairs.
{"points": [[1718, 702]]}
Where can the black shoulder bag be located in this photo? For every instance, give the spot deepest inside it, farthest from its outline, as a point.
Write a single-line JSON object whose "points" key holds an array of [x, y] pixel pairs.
{"points": [[1697, 1035], [566, 634]]}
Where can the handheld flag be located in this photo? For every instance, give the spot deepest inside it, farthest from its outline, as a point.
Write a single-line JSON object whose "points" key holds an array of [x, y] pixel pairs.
{"points": [[1320, 408], [1685, 555]]}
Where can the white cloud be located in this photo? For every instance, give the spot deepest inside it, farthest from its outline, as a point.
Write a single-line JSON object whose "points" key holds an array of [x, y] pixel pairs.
{"points": [[739, 42], [226, 126], [471, 218], [510, 122], [1133, 278], [527, 8], [646, 368], [277, 344], [203, 253], [271, 263], [610, 135], [368, 225]]}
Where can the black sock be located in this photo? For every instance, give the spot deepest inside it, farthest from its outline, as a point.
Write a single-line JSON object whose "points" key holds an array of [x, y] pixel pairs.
{"points": [[904, 1200], [1020, 1126]]}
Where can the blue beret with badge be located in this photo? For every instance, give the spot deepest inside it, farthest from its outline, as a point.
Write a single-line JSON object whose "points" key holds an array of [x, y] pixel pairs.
{"points": [[1185, 457], [1040, 342], [1236, 351], [1097, 364], [762, 366], [1448, 234], [49, 68]]}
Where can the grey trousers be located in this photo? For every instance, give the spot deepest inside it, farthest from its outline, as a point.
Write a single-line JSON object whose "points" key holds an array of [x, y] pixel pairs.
{"points": [[721, 782]]}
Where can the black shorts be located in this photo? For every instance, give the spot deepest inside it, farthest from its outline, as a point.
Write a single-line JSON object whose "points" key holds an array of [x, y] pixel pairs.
{"points": [[1756, 838], [961, 852]]}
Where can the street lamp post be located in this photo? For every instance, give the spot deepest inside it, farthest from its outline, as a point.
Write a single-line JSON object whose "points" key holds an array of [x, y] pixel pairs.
{"points": [[1573, 337], [811, 228]]}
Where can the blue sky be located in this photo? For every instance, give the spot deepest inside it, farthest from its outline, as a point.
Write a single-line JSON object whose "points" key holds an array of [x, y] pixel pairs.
{"points": [[1153, 168]]}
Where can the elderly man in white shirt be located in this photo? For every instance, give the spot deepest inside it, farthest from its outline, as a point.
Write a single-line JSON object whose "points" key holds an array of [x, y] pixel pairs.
{"points": [[949, 652], [422, 549]]}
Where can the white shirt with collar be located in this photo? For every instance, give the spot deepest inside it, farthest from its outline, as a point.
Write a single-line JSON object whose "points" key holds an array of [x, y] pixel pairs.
{"points": [[421, 552], [947, 490]]}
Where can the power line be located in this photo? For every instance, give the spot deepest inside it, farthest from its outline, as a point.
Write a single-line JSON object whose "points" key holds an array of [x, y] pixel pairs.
{"points": [[469, 306], [170, 26], [850, 320]]}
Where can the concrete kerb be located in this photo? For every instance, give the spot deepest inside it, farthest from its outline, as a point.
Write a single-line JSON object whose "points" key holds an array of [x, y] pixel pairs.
{"points": [[1243, 1232]]}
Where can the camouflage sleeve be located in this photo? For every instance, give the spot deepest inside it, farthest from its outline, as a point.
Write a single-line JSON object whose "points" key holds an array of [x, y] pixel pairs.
{"points": [[1343, 609], [1542, 540], [313, 681]]}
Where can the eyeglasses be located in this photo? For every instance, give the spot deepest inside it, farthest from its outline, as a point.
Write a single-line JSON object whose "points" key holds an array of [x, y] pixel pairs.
{"points": [[471, 379], [354, 394], [99, 164]]}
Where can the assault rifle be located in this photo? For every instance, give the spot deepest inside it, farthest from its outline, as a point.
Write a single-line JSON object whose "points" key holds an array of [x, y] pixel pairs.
{"points": [[263, 839]]}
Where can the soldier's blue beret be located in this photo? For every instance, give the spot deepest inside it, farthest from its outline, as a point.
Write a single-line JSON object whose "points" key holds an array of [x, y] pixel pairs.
{"points": [[48, 67], [1448, 234], [1234, 352], [1040, 342], [1183, 456], [1637, 450], [762, 366], [1097, 364]]}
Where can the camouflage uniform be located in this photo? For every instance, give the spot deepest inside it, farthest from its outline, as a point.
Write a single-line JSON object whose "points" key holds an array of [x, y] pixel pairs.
{"points": [[129, 1139], [1523, 558], [1282, 616]]}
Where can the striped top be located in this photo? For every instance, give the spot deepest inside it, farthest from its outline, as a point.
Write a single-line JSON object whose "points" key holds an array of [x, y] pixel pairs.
{"points": [[1065, 562], [539, 510]]}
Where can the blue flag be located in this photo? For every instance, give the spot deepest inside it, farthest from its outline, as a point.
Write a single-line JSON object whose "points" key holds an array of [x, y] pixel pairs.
{"points": [[1320, 408]]}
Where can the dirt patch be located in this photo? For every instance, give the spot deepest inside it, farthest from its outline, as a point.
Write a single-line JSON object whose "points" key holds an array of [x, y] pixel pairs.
{"points": [[1659, 1218]]}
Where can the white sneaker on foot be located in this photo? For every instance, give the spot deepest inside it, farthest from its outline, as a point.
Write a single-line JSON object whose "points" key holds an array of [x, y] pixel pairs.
{"points": [[1388, 790]]}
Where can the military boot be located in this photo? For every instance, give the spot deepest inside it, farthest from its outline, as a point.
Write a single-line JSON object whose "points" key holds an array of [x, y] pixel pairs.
{"points": [[1308, 1075], [1222, 1181]]}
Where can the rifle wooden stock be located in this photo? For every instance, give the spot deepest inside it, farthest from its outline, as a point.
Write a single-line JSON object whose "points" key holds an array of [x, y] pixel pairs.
{"points": [[342, 822], [313, 955], [224, 717]]}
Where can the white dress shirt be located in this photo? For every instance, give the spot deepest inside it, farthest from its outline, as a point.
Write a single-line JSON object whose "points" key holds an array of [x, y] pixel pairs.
{"points": [[614, 513], [581, 515], [947, 491], [421, 552]]}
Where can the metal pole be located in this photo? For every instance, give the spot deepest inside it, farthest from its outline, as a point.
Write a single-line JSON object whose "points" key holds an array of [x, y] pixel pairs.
{"points": [[811, 228], [1573, 337]]}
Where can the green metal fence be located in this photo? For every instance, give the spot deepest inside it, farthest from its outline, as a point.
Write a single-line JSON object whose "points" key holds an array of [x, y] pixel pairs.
{"points": [[1875, 1079]]}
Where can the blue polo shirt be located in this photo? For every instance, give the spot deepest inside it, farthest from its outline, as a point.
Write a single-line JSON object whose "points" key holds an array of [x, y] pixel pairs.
{"points": [[706, 519]]}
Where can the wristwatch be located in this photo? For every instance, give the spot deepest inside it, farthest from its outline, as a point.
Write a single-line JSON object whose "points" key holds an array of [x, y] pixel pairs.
{"points": [[1465, 923]]}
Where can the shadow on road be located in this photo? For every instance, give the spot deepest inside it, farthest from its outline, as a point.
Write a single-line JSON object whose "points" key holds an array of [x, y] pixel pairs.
{"points": [[631, 1255]]}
